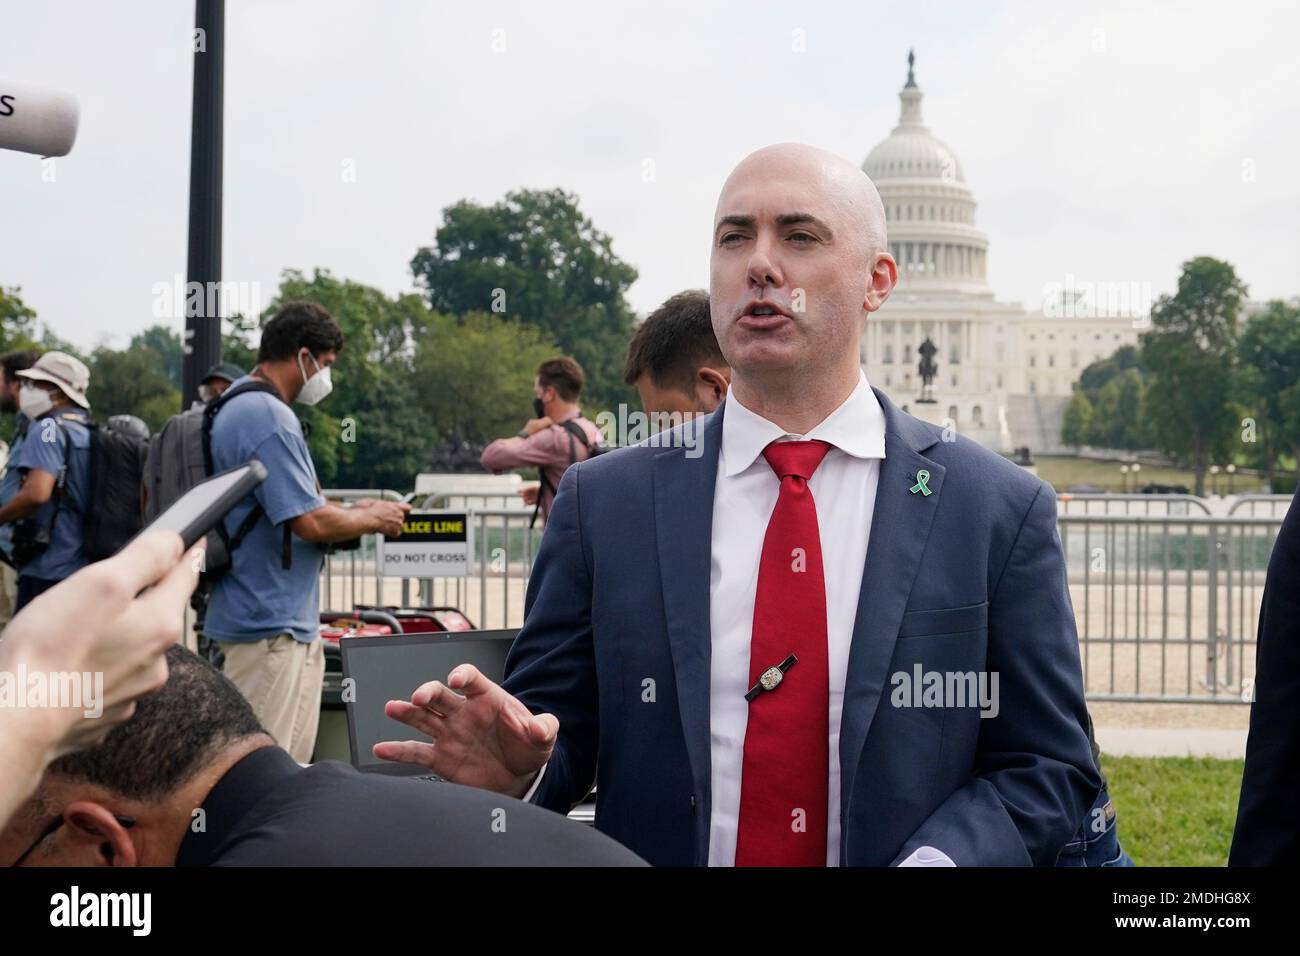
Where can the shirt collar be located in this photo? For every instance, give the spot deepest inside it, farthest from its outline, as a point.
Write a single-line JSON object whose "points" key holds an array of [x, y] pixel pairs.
{"points": [[251, 778], [67, 411], [856, 428]]}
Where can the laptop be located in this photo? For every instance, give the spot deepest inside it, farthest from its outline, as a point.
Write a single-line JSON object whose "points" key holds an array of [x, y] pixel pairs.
{"points": [[391, 668]]}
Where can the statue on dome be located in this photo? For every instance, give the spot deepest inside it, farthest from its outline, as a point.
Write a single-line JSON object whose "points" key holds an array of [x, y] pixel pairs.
{"points": [[928, 368]]}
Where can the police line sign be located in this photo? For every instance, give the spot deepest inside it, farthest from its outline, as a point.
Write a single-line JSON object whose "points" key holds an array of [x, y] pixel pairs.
{"points": [[434, 544]]}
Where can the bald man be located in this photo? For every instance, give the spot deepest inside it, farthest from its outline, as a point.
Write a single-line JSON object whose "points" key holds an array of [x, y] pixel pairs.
{"points": [[813, 633]]}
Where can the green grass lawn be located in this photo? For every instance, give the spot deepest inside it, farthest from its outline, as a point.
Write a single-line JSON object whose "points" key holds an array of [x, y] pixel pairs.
{"points": [[1060, 473], [1175, 811]]}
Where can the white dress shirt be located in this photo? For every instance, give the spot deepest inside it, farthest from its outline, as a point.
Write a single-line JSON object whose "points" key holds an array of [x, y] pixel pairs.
{"points": [[844, 490]]}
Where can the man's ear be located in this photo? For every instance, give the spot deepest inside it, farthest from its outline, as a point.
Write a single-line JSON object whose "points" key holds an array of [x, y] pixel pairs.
{"points": [[91, 823], [711, 386], [881, 282]]}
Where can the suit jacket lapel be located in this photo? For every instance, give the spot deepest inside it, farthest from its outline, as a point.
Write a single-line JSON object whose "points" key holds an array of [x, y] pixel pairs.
{"points": [[683, 501], [900, 525]]}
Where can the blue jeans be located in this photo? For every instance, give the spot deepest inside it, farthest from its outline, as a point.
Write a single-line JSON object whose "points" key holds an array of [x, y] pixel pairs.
{"points": [[1097, 842]]}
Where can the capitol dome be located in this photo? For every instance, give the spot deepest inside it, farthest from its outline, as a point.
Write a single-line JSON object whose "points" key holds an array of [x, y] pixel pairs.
{"points": [[929, 208], [912, 150]]}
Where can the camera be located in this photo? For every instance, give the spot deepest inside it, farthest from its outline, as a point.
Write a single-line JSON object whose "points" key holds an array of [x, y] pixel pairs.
{"points": [[31, 540]]}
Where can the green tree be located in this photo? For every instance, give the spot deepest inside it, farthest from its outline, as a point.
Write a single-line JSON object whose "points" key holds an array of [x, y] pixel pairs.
{"points": [[131, 383], [1102, 371], [475, 375], [17, 321], [165, 342], [535, 257], [1115, 390], [17, 331], [1289, 409], [1077, 424], [1189, 353], [1106, 429], [1269, 355], [238, 342]]}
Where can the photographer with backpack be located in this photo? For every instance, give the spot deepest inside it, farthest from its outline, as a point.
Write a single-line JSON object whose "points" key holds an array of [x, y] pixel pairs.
{"points": [[47, 512], [264, 609], [557, 436]]}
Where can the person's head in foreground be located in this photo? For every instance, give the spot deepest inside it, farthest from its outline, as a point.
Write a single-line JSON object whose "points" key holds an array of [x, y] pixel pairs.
{"points": [[191, 779], [129, 801], [673, 360], [799, 258]]}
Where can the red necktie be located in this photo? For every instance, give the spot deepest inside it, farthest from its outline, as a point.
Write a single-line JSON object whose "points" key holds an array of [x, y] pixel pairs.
{"points": [[784, 778]]}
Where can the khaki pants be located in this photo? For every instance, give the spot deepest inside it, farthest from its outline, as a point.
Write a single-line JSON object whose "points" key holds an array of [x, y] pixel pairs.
{"points": [[8, 593], [281, 678]]}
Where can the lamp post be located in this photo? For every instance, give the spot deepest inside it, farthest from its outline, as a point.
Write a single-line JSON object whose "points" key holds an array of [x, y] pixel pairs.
{"points": [[1135, 468], [1232, 470], [203, 264], [1123, 477], [1214, 479]]}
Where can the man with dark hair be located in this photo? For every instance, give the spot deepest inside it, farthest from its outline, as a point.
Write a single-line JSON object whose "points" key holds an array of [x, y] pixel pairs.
{"points": [[674, 361], [194, 751], [265, 611], [48, 510], [555, 438], [11, 363]]}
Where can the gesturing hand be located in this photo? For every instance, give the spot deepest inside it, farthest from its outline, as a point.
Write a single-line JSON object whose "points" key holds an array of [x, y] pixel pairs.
{"points": [[482, 736]]}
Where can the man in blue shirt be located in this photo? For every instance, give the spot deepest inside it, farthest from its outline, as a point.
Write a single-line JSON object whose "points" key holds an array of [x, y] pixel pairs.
{"points": [[11, 363], [54, 466], [265, 611]]}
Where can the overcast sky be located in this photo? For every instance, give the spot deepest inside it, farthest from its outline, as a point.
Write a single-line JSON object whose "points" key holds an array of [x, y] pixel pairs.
{"points": [[1110, 142]]}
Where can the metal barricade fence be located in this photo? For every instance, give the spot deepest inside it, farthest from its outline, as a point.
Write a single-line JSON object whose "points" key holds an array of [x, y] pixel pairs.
{"points": [[1167, 607], [1273, 506], [1105, 503], [491, 593]]}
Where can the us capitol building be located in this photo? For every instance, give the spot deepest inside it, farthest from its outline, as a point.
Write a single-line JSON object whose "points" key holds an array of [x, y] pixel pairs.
{"points": [[1004, 375]]}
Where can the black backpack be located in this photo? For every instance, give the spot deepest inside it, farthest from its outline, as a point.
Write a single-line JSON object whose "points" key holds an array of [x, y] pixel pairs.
{"points": [[180, 456], [575, 431], [113, 514]]}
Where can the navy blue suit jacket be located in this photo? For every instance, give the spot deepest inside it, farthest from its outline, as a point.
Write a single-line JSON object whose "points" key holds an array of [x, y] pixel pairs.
{"points": [[970, 578]]}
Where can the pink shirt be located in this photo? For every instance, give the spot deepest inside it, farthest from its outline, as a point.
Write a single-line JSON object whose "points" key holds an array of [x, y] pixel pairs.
{"points": [[551, 450]]}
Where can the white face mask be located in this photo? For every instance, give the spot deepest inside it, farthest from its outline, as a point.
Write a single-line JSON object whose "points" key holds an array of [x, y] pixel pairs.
{"points": [[206, 394], [317, 386], [34, 402]]}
